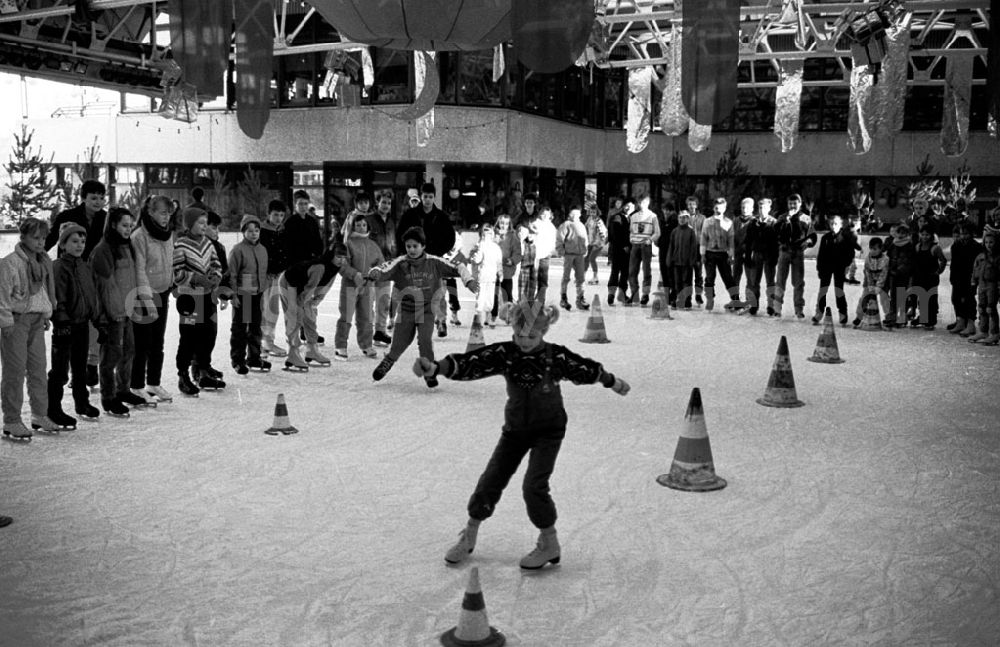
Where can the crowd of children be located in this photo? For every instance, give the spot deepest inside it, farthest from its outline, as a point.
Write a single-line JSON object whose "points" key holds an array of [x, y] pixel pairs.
{"points": [[107, 295]]}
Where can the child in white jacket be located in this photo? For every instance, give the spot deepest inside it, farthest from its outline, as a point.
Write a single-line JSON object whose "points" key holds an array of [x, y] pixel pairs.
{"points": [[487, 268]]}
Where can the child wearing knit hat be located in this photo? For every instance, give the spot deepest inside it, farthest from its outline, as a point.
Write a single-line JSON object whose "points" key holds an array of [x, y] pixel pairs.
{"points": [[534, 421], [75, 307]]}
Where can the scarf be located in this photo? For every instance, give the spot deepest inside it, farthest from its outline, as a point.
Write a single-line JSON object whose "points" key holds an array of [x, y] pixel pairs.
{"points": [[39, 269], [154, 229]]}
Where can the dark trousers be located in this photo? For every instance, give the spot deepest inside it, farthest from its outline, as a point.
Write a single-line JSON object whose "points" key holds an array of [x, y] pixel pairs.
{"points": [[640, 257], [681, 292], [619, 269], [147, 366], [452, 286], [510, 450], [69, 353], [739, 260], [825, 277], [408, 325], [117, 351], [666, 276], [719, 262], [898, 288], [923, 296], [198, 330], [760, 267], [543, 279], [963, 298], [245, 332], [504, 293]]}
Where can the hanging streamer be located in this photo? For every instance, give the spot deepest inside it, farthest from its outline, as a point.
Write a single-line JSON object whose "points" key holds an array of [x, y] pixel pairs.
{"points": [[425, 66], [498, 62], [673, 116], [859, 138], [638, 122], [254, 36], [787, 102], [888, 98], [957, 94], [367, 68], [699, 136]]}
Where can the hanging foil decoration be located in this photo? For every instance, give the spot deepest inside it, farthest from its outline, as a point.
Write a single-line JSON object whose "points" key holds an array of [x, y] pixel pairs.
{"points": [[638, 122], [498, 62], [425, 71], [993, 127], [254, 53], [673, 116], [787, 101], [199, 42], [957, 94], [699, 136], [888, 98], [859, 138], [993, 71], [367, 68]]}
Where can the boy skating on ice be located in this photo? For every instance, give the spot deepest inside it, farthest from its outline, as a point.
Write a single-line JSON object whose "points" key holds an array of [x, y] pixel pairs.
{"points": [[534, 421]]}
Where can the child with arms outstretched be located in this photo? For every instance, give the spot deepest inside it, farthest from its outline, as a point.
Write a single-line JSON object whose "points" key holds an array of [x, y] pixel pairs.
{"points": [[534, 421]]}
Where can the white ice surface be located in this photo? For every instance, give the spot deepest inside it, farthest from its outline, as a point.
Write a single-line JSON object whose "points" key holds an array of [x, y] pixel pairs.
{"points": [[867, 517]]}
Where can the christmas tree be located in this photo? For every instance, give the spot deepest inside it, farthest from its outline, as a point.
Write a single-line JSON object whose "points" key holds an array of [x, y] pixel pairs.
{"points": [[31, 189]]}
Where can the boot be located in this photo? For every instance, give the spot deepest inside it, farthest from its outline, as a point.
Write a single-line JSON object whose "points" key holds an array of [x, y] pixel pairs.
{"points": [[958, 326], [611, 299], [546, 551], [185, 385], [992, 340], [564, 303], [16, 430], [383, 367], [62, 419], [979, 336], [970, 328], [294, 360], [581, 303], [44, 423], [466, 542], [113, 407], [206, 381], [313, 355]]}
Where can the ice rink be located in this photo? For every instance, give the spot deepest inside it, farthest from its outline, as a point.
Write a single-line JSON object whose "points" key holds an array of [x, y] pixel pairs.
{"points": [[869, 516]]}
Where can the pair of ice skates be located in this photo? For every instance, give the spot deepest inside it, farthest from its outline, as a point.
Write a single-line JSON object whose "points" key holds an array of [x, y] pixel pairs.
{"points": [[546, 551]]}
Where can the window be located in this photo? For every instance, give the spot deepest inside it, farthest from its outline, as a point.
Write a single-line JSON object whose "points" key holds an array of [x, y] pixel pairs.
{"points": [[392, 76], [475, 79]]}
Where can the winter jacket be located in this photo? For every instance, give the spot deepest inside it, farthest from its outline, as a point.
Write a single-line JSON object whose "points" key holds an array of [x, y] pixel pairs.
{"points": [[986, 270], [835, 252], [618, 238], [928, 263], [545, 239], [717, 236], [196, 267], [154, 262], [794, 231], [510, 248], [683, 249], [78, 214], [17, 296], [668, 223], [597, 232], [487, 262], [418, 279], [273, 240], [363, 254], [963, 258], [761, 240], [247, 271], [900, 252], [571, 238], [383, 232], [876, 271], [439, 233], [75, 289], [643, 229], [301, 238], [740, 224], [113, 261]]}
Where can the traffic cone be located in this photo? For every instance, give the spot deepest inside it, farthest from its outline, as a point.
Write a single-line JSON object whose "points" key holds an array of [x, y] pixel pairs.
{"points": [[475, 334], [281, 423], [780, 391], [473, 629], [661, 307], [826, 346], [871, 318], [595, 332], [693, 469]]}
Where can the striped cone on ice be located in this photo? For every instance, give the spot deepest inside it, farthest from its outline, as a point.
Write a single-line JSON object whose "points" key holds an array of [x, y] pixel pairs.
{"points": [[693, 469], [826, 346], [476, 339], [281, 423], [780, 391], [473, 629], [871, 318], [660, 306], [595, 333]]}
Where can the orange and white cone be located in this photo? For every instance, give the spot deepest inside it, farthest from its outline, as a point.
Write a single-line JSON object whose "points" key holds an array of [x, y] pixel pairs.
{"points": [[826, 346], [595, 333], [473, 629], [871, 318], [660, 307], [281, 423], [780, 391], [693, 469], [475, 335]]}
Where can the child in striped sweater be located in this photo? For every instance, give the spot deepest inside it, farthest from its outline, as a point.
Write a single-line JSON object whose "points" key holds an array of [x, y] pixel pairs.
{"points": [[197, 273]]}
